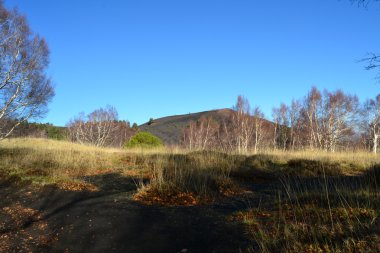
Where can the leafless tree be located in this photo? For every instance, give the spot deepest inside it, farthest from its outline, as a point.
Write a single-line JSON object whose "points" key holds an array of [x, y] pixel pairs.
{"points": [[371, 121], [327, 119], [295, 123], [258, 121], [281, 120], [201, 134], [323, 121], [311, 112], [225, 135], [339, 112], [25, 89], [284, 125], [373, 61], [276, 123], [122, 133], [98, 128], [242, 124]]}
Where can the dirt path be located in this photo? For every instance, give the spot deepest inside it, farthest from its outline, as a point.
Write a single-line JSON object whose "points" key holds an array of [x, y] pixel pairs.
{"points": [[52, 220]]}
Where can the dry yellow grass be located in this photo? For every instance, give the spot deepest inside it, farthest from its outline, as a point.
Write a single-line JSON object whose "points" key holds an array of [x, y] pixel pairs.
{"points": [[361, 158], [50, 160], [45, 161]]}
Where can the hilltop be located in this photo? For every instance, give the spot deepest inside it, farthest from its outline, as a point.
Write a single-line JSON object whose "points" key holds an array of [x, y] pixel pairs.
{"points": [[170, 128]]}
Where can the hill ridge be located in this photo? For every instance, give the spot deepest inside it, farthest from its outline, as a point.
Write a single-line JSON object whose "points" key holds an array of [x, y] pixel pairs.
{"points": [[170, 128]]}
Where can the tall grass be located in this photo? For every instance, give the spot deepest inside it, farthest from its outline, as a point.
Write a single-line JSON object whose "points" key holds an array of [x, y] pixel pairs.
{"points": [[350, 161], [339, 214], [203, 175], [44, 161]]}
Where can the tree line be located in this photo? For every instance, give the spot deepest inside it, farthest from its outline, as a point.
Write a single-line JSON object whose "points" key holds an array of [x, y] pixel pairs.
{"points": [[35, 130], [329, 121], [321, 120]]}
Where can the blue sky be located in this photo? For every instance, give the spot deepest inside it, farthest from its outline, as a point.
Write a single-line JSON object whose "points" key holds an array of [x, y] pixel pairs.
{"points": [[152, 58]]}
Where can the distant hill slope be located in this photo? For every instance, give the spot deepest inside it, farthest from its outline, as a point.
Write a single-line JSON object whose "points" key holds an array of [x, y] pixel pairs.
{"points": [[170, 128]]}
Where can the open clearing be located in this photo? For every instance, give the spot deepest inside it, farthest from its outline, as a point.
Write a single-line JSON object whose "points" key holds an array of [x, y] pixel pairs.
{"points": [[64, 197]]}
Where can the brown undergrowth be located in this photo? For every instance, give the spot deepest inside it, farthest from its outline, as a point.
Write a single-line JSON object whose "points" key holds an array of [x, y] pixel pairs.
{"points": [[340, 214]]}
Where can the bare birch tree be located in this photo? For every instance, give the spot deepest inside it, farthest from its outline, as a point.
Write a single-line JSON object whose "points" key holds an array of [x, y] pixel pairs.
{"points": [[242, 124], [96, 128], [258, 120], [276, 122], [281, 121], [295, 123], [371, 120], [339, 112], [312, 105], [25, 89], [225, 135], [201, 134]]}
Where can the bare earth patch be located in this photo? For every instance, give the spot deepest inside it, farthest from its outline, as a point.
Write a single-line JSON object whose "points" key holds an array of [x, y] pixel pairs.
{"points": [[16, 236]]}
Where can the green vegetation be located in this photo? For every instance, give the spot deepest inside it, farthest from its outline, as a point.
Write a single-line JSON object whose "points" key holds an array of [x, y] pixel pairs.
{"points": [[151, 121], [53, 132], [144, 140], [135, 127]]}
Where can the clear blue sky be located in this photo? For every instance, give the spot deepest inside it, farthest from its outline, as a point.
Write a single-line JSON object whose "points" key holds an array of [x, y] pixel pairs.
{"points": [[152, 58]]}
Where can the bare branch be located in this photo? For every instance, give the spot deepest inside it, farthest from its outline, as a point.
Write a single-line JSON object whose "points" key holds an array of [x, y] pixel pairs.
{"points": [[25, 90], [100, 128]]}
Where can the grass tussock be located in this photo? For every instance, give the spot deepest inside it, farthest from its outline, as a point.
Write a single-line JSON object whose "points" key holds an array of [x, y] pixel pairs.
{"points": [[336, 214], [188, 179]]}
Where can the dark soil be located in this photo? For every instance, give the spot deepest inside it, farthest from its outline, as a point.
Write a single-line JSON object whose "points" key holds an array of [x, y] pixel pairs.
{"points": [[47, 219]]}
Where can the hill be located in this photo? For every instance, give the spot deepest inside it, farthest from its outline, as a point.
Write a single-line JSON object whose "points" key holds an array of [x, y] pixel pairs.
{"points": [[170, 128]]}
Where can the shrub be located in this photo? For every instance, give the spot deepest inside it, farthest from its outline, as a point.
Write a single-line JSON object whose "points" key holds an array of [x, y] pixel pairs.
{"points": [[144, 140], [54, 132]]}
